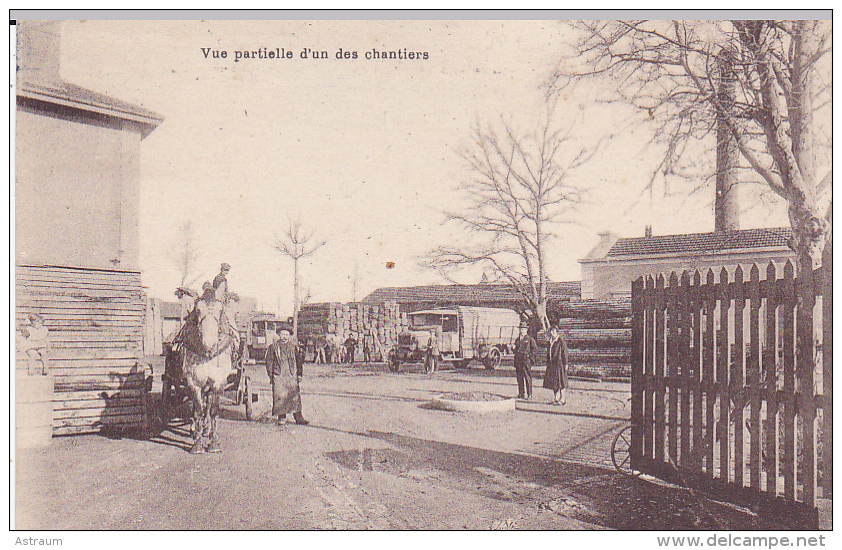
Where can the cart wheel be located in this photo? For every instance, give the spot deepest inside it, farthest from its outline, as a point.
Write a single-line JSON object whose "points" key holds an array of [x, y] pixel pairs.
{"points": [[621, 453], [247, 399], [494, 359]]}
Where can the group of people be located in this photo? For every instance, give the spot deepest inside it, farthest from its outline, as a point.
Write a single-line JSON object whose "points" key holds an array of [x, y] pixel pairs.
{"points": [[555, 377], [325, 350]]}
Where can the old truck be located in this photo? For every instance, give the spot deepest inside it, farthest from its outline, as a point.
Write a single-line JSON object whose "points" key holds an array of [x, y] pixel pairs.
{"points": [[259, 334], [464, 333]]}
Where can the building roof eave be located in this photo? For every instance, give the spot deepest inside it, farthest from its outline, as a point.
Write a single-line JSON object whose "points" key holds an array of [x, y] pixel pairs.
{"points": [[695, 254], [76, 97]]}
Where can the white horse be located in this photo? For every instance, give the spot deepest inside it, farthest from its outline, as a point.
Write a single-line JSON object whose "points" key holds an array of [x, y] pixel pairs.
{"points": [[207, 363]]}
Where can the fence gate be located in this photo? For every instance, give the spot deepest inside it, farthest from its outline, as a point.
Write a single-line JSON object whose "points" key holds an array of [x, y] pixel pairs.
{"points": [[727, 388]]}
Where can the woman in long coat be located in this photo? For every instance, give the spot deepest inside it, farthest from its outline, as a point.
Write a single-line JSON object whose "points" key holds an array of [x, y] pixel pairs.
{"points": [[285, 373], [555, 378]]}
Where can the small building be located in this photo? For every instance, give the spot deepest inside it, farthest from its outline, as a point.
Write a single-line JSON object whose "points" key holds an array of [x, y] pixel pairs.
{"points": [[609, 269], [77, 188]]}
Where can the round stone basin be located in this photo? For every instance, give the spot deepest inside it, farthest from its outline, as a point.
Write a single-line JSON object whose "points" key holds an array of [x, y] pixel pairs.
{"points": [[473, 402]]}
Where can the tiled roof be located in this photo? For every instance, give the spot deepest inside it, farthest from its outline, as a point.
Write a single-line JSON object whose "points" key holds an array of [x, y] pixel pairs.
{"points": [[701, 242], [65, 92], [464, 294]]}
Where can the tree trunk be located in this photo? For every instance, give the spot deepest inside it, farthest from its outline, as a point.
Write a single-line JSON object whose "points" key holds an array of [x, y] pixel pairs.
{"points": [[295, 300], [726, 204]]}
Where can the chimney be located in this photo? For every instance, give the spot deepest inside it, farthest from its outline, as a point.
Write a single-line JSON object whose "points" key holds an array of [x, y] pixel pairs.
{"points": [[38, 51], [648, 231], [727, 204]]}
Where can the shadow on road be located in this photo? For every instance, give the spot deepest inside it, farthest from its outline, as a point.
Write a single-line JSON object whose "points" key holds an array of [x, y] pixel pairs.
{"points": [[611, 500], [531, 408]]}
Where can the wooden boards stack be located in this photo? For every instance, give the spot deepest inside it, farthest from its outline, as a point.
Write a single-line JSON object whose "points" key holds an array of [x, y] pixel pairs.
{"points": [[95, 319], [381, 321]]}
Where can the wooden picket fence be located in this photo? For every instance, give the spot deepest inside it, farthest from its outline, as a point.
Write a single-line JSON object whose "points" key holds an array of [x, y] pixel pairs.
{"points": [[728, 391]]}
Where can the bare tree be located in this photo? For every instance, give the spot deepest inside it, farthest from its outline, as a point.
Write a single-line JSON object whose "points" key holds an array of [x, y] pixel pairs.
{"points": [[518, 193], [186, 254], [297, 243], [781, 84]]}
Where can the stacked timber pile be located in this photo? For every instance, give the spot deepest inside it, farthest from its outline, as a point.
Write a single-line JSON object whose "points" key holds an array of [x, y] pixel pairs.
{"points": [[95, 319], [598, 334], [379, 323]]}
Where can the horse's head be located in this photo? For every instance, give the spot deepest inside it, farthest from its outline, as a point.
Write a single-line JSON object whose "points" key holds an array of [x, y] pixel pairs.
{"points": [[208, 313]]}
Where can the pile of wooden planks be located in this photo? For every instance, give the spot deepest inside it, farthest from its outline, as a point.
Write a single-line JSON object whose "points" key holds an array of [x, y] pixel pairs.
{"points": [[95, 322], [382, 323]]}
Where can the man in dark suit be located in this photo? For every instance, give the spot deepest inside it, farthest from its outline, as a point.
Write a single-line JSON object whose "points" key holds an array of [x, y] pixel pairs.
{"points": [[350, 348], [526, 351]]}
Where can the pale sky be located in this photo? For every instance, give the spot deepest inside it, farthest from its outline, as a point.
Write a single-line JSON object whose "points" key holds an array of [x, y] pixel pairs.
{"points": [[363, 149]]}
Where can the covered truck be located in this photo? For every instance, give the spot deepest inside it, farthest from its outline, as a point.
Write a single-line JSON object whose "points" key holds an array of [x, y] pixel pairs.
{"points": [[464, 333]]}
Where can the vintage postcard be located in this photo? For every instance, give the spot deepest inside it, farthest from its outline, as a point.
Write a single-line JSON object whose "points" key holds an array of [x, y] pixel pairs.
{"points": [[419, 271]]}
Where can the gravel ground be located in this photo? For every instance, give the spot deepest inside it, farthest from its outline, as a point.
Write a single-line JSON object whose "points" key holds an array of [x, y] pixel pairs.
{"points": [[375, 456]]}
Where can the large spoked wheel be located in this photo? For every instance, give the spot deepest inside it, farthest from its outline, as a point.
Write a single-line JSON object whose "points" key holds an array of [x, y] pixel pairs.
{"points": [[494, 359], [621, 453]]}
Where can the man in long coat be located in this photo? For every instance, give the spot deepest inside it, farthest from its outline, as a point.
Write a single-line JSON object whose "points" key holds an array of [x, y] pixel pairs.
{"points": [[526, 352], [285, 373], [555, 378]]}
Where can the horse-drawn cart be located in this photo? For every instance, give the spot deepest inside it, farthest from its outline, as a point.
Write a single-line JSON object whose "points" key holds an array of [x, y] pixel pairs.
{"points": [[176, 401]]}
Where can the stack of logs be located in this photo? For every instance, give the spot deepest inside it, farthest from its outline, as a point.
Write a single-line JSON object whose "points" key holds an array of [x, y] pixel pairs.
{"points": [[379, 323], [598, 335]]}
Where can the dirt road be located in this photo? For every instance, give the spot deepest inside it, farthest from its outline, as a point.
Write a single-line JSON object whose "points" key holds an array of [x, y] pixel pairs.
{"points": [[375, 456]]}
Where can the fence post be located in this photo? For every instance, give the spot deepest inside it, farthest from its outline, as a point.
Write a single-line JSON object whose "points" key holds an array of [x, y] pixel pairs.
{"points": [[770, 368], [753, 373], [685, 363], [722, 385], [673, 324], [737, 376], [659, 371], [827, 374], [805, 371], [637, 378], [648, 367], [788, 302], [698, 404], [710, 366]]}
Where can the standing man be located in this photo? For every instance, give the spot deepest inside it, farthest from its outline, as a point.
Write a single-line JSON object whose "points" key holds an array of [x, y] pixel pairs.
{"points": [[555, 378], [432, 353], [350, 347], [526, 351], [285, 373], [321, 344], [366, 349]]}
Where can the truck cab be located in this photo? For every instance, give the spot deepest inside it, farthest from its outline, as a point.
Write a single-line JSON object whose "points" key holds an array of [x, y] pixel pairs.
{"points": [[261, 334]]}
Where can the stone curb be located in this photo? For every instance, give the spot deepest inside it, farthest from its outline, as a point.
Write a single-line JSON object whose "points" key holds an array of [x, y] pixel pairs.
{"points": [[505, 405]]}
